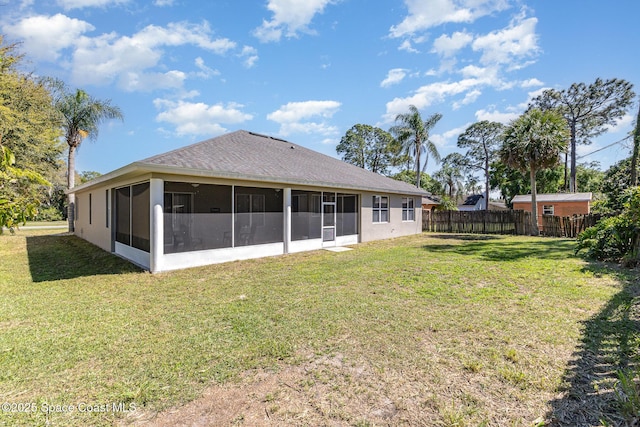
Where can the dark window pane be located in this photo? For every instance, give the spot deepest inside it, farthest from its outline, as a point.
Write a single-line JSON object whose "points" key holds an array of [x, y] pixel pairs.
{"points": [[196, 217], [123, 215], [140, 224], [259, 216], [306, 222], [347, 216]]}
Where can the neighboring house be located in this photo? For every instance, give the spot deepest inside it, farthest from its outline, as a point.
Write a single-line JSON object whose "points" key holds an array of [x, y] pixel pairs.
{"points": [[241, 195], [430, 202], [475, 202], [558, 204]]}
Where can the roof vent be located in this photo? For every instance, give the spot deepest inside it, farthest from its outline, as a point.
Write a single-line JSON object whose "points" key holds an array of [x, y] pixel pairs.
{"points": [[292, 147]]}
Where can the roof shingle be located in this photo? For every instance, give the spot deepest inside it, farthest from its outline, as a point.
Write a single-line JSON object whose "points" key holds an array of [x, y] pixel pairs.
{"points": [[249, 156]]}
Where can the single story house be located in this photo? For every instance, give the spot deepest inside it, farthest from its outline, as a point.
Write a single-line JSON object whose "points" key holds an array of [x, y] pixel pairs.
{"points": [[430, 202], [238, 196], [558, 204], [474, 202]]}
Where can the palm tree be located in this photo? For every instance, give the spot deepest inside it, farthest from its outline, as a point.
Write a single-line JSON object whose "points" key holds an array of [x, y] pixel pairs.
{"points": [[532, 142], [451, 174], [413, 133], [81, 116]]}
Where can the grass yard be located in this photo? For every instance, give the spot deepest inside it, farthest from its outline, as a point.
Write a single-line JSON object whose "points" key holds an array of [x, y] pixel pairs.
{"points": [[426, 330]]}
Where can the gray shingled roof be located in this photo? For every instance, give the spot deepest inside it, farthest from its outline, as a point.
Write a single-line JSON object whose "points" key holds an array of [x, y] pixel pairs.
{"points": [[250, 156], [553, 197]]}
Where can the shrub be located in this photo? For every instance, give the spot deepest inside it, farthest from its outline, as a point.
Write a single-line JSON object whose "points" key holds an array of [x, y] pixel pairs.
{"points": [[615, 238], [49, 213]]}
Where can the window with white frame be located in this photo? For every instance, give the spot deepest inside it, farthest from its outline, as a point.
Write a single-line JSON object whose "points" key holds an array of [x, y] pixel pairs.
{"points": [[380, 209], [547, 210], [408, 211]]}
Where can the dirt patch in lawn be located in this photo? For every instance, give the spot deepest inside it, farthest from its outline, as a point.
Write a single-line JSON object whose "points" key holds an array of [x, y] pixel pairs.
{"points": [[336, 391]]}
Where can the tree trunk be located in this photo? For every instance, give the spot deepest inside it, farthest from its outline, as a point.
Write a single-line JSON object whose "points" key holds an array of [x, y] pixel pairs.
{"points": [[565, 186], [572, 183], [535, 231], [71, 178], [486, 184], [636, 149], [417, 164]]}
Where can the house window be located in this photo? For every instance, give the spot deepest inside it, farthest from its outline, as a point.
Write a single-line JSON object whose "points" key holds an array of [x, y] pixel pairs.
{"points": [[408, 211], [547, 210], [380, 209], [90, 209]]}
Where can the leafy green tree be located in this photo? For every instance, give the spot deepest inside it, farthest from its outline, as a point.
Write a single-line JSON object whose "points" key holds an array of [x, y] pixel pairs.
{"points": [[615, 238], [19, 191], [29, 137], [370, 148], [82, 115], [447, 204], [451, 174], [413, 134], [427, 183], [86, 176], [512, 182], [614, 186], [589, 177], [533, 142], [29, 125], [588, 110], [482, 139]]}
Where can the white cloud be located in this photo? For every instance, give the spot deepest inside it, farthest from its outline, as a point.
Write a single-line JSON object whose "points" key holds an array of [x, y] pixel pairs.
{"points": [[443, 139], [250, 55], [408, 47], [146, 82], [79, 4], [430, 94], [469, 98], [109, 57], [515, 42], [134, 61], [394, 76], [496, 116], [205, 71], [163, 3], [425, 14], [295, 117], [531, 83], [197, 118], [45, 36], [289, 18], [449, 45], [622, 125]]}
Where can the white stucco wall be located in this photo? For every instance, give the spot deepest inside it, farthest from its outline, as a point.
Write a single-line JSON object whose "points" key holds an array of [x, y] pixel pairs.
{"points": [[395, 227], [95, 231]]}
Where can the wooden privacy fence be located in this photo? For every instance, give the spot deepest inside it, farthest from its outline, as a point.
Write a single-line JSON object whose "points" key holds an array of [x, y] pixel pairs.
{"points": [[504, 222], [567, 226], [488, 222]]}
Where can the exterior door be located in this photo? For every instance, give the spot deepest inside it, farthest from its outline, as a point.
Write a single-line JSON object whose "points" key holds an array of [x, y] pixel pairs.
{"points": [[328, 219]]}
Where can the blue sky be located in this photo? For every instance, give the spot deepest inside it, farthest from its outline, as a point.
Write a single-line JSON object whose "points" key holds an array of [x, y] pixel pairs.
{"points": [[307, 70]]}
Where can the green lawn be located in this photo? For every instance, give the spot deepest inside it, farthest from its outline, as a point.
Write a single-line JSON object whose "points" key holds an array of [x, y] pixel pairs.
{"points": [[452, 330]]}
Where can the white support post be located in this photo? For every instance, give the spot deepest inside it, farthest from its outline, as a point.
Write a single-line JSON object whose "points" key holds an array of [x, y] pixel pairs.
{"points": [[156, 213], [287, 220]]}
